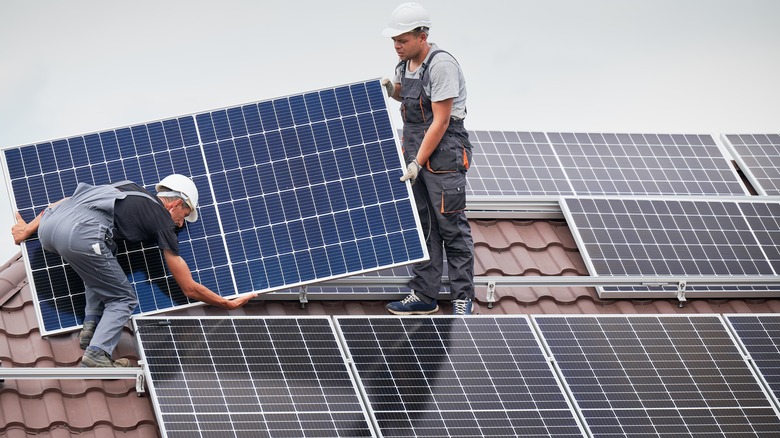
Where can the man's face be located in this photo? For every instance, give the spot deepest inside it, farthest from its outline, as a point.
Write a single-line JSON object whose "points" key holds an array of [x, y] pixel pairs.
{"points": [[179, 210], [408, 45]]}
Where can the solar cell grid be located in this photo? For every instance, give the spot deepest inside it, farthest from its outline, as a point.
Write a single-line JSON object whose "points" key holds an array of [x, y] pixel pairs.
{"points": [[249, 377], [637, 164], [559, 164], [480, 376], [515, 164], [657, 376], [293, 190], [758, 155], [677, 237], [760, 336]]}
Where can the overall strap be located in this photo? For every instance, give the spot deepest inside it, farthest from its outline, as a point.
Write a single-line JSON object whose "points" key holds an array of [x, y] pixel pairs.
{"points": [[133, 192]]}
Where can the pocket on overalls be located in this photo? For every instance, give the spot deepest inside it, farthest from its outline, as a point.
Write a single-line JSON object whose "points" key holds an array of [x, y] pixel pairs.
{"points": [[451, 155], [453, 195]]}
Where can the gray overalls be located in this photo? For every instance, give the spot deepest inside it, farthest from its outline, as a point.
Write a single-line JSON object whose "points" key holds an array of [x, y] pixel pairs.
{"points": [[80, 230], [439, 192]]}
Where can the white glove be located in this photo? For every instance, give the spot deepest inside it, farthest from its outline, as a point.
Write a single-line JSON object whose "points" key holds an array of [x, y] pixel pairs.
{"points": [[389, 87], [412, 170]]}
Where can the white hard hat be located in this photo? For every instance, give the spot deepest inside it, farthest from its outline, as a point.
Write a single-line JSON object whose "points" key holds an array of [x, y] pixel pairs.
{"points": [[406, 18], [185, 187]]}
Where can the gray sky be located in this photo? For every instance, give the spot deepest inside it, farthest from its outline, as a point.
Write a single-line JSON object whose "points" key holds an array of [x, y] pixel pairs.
{"points": [[660, 66]]}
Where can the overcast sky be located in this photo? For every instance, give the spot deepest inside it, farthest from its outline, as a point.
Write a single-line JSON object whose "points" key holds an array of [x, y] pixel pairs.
{"points": [[660, 66]]}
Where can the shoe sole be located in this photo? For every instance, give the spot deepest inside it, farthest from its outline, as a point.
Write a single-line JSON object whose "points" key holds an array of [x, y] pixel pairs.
{"points": [[414, 312]]}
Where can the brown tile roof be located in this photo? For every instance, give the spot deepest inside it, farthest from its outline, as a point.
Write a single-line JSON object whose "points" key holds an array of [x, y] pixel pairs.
{"points": [[103, 408]]}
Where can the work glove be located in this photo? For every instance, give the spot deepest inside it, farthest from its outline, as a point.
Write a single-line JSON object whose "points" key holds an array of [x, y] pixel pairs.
{"points": [[389, 87], [412, 170]]}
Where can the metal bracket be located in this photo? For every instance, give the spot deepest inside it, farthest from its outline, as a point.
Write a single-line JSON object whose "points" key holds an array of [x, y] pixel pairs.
{"points": [[681, 294], [302, 298], [491, 294], [140, 379]]}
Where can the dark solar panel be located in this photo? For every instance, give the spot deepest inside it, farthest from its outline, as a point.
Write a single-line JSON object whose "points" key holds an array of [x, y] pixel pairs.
{"points": [[645, 164], [760, 336], [249, 377], [677, 237], [511, 163], [758, 155], [515, 164], [293, 190], [658, 376], [450, 376]]}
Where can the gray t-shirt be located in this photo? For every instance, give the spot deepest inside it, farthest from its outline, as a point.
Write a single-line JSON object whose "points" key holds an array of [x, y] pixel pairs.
{"points": [[446, 81]]}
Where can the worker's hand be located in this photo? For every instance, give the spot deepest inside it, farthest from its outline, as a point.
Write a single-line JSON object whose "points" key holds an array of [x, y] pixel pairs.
{"points": [[389, 87], [412, 170], [240, 301], [20, 230]]}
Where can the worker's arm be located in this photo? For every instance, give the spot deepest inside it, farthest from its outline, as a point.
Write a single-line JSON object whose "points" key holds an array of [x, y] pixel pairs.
{"points": [[22, 230], [193, 289], [442, 111]]}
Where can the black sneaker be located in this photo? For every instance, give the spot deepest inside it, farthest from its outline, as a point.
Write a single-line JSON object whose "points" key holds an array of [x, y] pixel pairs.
{"points": [[96, 358], [85, 336], [412, 305]]}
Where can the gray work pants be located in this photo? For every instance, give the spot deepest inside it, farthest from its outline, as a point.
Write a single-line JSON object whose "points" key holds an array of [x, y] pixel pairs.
{"points": [[440, 200], [82, 236]]}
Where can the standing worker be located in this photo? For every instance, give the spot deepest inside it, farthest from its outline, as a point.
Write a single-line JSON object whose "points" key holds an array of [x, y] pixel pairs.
{"points": [[82, 229], [430, 85]]}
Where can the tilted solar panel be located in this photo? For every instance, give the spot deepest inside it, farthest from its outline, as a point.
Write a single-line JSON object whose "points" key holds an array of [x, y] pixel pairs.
{"points": [[664, 375], [293, 190], [663, 237], [450, 376], [249, 377], [758, 155]]}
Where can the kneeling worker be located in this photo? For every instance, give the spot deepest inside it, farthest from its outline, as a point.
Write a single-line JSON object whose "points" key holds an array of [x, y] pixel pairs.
{"points": [[83, 228]]}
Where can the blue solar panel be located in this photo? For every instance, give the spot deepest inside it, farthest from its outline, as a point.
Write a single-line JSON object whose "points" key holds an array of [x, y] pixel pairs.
{"points": [[293, 190]]}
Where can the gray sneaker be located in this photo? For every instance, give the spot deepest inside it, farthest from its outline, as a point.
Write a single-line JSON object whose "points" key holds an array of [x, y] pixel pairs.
{"points": [[85, 336], [461, 307], [96, 358]]}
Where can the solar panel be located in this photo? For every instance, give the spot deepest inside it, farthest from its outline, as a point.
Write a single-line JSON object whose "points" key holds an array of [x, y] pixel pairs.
{"points": [[449, 376], [559, 164], [760, 336], [293, 190], [645, 164], [671, 375], [657, 237], [515, 164], [758, 155], [249, 377]]}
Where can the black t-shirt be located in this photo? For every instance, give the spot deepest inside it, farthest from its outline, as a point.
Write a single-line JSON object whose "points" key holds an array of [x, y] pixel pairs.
{"points": [[140, 219]]}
